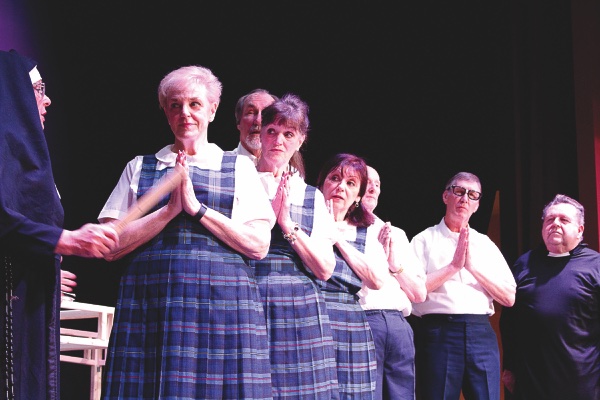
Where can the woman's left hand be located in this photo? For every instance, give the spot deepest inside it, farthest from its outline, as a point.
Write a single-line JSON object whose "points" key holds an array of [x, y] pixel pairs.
{"points": [[385, 238]]}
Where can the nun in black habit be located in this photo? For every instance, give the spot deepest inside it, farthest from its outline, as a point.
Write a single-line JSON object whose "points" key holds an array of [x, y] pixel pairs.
{"points": [[32, 239]]}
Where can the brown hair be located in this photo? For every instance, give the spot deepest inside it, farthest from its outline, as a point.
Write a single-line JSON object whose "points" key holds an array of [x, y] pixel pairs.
{"points": [[357, 216]]}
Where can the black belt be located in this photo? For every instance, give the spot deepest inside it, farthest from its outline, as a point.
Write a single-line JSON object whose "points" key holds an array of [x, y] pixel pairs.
{"points": [[386, 311], [474, 318]]}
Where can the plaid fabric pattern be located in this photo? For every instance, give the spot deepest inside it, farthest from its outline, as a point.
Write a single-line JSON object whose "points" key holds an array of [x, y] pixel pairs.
{"points": [[355, 348], [300, 339], [189, 321]]}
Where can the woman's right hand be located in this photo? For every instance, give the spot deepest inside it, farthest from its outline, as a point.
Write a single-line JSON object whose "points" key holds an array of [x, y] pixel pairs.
{"points": [[338, 233], [329, 205]]}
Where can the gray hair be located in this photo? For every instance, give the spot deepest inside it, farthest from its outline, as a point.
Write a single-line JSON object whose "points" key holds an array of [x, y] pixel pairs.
{"points": [[239, 107], [183, 77], [463, 176], [563, 199]]}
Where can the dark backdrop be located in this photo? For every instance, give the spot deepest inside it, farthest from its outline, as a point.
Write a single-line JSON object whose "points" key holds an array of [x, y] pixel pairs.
{"points": [[422, 90]]}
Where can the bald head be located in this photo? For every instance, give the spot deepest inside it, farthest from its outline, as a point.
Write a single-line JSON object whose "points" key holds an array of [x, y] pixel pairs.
{"points": [[371, 196]]}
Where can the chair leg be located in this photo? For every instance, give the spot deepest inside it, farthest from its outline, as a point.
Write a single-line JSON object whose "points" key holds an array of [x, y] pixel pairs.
{"points": [[96, 377], [96, 383]]}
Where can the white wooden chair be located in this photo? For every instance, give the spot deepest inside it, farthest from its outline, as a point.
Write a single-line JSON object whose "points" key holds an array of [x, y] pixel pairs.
{"points": [[86, 347]]}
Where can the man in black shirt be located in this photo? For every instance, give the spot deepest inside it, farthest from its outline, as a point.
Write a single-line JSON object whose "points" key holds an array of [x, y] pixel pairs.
{"points": [[551, 335]]}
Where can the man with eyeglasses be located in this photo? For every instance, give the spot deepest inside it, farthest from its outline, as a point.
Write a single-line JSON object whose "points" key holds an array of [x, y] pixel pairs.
{"points": [[457, 348], [32, 239]]}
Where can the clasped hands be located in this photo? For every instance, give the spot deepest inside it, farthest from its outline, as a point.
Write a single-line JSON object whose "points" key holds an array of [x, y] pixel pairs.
{"points": [[183, 197], [282, 201], [462, 257]]}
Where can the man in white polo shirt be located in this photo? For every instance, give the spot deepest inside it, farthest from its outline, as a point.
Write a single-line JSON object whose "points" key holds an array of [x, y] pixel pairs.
{"points": [[457, 348], [387, 307]]}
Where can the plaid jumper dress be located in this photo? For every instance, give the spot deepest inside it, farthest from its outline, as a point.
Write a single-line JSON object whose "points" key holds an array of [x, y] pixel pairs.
{"points": [[300, 338], [189, 321], [355, 348]]}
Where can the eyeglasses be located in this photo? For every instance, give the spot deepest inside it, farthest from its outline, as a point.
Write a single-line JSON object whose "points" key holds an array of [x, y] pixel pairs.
{"points": [[41, 88], [460, 191]]}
